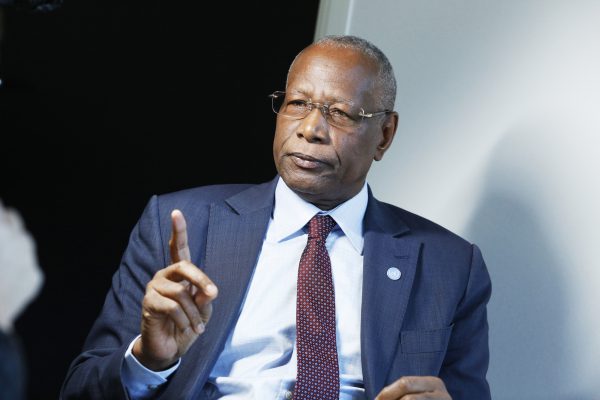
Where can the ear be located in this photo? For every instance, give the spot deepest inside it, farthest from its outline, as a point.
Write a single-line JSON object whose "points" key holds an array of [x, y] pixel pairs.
{"points": [[388, 130]]}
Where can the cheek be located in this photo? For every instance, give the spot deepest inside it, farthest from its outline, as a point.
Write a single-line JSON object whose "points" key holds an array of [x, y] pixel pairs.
{"points": [[284, 138], [355, 151], [278, 140]]}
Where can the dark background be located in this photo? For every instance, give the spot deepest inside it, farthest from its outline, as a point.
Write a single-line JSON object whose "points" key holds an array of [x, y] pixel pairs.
{"points": [[105, 103]]}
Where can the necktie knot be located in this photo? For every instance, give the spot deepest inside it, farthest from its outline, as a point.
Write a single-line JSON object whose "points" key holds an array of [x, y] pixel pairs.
{"points": [[320, 226]]}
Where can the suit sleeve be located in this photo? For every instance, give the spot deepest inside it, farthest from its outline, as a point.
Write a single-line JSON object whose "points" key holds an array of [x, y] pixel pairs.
{"points": [[96, 372], [466, 362]]}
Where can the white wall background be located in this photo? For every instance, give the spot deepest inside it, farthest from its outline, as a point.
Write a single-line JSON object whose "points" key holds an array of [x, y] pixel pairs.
{"points": [[499, 141]]}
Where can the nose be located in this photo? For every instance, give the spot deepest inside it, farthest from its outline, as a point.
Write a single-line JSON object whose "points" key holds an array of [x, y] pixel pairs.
{"points": [[314, 127]]}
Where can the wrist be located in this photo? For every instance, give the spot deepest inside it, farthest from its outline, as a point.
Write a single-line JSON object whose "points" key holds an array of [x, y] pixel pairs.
{"points": [[152, 363]]}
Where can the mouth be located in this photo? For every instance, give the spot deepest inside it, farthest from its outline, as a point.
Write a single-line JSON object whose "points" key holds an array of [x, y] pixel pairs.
{"points": [[307, 162]]}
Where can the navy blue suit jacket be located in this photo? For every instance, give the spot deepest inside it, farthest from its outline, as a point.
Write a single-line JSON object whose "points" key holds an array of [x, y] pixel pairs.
{"points": [[431, 321]]}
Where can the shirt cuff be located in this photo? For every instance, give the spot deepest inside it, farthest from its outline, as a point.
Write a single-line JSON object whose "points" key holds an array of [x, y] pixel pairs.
{"points": [[140, 381]]}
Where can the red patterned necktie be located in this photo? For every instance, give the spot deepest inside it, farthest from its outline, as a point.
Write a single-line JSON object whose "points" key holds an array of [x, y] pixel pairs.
{"points": [[318, 371]]}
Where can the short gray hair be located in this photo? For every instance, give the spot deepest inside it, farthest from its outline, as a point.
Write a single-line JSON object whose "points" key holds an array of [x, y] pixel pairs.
{"points": [[385, 77]]}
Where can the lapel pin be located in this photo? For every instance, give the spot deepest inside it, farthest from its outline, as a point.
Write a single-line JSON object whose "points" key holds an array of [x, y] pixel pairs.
{"points": [[394, 273]]}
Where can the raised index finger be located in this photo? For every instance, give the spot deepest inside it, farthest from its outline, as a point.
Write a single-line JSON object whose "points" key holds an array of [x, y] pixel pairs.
{"points": [[178, 244]]}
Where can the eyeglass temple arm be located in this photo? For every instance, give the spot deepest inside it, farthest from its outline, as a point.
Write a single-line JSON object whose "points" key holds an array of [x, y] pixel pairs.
{"points": [[373, 114]]}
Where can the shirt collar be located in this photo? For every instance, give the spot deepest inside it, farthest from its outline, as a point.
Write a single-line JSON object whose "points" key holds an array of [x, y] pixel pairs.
{"points": [[291, 213]]}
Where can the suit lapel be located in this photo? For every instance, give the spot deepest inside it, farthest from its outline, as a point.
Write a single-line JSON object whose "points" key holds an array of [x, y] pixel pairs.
{"points": [[384, 300], [236, 230]]}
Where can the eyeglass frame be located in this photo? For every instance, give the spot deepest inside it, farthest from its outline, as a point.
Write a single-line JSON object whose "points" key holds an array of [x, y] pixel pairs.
{"points": [[324, 108]]}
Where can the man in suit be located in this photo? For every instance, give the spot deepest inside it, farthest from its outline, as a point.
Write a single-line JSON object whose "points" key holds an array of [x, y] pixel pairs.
{"points": [[204, 303]]}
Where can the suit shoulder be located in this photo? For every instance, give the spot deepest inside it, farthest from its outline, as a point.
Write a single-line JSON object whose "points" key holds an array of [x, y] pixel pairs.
{"points": [[197, 198], [422, 226], [204, 194]]}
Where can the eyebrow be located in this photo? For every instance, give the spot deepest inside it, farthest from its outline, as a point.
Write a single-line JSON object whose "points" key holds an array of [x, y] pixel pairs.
{"points": [[334, 101]]}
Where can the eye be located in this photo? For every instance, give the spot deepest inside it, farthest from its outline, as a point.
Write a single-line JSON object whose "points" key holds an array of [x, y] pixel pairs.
{"points": [[339, 115], [297, 106]]}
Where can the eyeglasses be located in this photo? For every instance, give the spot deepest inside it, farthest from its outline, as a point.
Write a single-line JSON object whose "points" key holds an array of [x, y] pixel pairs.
{"points": [[336, 114]]}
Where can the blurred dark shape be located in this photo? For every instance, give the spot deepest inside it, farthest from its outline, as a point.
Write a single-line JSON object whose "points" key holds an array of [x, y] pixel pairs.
{"points": [[33, 5], [12, 367]]}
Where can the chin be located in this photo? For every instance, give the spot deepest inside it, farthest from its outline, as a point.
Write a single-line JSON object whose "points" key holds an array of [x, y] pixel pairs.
{"points": [[319, 192], [307, 187]]}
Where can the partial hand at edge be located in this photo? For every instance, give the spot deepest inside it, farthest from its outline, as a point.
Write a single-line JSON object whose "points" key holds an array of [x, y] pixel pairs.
{"points": [[415, 388], [176, 307]]}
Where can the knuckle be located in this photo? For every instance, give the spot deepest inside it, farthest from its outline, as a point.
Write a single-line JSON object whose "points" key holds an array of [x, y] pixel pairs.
{"points": [[179, 292], [384, 393], [171, 308], [161, 273], [176, 269], [149, 304], [157, 274], [440, 384], [405, 382], [150, 290], [146, 303]]}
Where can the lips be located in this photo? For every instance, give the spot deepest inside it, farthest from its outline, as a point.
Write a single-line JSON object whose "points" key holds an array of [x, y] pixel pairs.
{"points": [[306, 161]]}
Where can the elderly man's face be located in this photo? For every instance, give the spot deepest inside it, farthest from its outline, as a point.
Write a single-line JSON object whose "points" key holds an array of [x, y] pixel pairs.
{"points": [[326, 164]]}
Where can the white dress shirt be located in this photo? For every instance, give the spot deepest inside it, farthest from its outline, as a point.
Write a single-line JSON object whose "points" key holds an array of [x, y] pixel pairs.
{"points": [[259, 357]]}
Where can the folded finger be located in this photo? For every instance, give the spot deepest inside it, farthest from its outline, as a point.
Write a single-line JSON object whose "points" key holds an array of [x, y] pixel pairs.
{"points": [[185, 270], [156, 305], [180, 293]]}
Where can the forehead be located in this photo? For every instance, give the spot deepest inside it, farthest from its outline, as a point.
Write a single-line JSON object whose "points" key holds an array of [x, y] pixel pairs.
{"points": [[327, 73]]}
